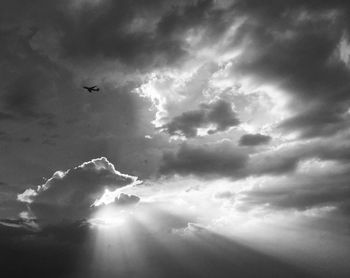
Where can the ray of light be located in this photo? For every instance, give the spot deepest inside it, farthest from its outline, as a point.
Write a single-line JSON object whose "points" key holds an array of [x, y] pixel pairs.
{"points": [[167, 227]]}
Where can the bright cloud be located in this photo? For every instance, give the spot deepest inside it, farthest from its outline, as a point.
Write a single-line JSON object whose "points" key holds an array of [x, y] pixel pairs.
{"points": [[71, 194]]}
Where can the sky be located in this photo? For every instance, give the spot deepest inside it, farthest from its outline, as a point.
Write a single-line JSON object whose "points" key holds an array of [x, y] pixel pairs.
{"points": [[218, 144]]}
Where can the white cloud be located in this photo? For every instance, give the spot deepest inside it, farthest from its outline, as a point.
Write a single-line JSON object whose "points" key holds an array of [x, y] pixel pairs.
{"points": [[27, 196], [70, 194]]}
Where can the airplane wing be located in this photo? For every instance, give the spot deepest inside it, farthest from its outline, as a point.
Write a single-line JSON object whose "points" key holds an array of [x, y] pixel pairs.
{"points": [[90, 89]]}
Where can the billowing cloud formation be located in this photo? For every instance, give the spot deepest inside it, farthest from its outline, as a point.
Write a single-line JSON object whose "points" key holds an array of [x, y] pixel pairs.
{"points": [[254, 139], [70, 194], [215, 117]]}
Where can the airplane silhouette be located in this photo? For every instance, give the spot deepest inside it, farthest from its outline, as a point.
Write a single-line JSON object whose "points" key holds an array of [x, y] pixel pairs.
{"points": [[92, 89]]}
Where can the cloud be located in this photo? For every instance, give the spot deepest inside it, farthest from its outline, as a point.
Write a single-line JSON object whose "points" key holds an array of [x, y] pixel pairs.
{"points": [[215, 117], [28, 76], [126, 199], [220, 159], [82, 33], [317, 122], [224, 159], [69, 195], [224, 195], [302, 192], [295, 47], [192, 228], [254, 139], [27, 196], [14, 228]]}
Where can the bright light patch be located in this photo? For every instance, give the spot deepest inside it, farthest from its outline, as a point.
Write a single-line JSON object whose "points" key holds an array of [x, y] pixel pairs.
{"points": [[109, 217], [107, 221], [110, 196], [27, 196], [107, 198]]}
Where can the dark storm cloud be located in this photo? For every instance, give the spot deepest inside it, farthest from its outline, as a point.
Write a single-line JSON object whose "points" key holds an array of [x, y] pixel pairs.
{"points": [[135, 33], [295, 44], [69, 195], [103, 33], [205, 160], [124, 31], [218, 116], [254, 139]]}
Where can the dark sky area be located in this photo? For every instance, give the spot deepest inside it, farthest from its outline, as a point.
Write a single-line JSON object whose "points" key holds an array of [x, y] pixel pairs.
{"points": [[218, 144]]}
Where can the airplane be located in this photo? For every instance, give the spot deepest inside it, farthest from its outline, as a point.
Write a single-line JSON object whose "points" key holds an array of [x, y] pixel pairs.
{"points": [[92, 89]]}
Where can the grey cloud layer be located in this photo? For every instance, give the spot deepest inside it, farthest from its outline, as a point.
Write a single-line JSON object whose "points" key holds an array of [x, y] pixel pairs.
{"points": [[254, 139], [304, 192], [226, 159], [217, 116], [205, 160], [294, 186]]}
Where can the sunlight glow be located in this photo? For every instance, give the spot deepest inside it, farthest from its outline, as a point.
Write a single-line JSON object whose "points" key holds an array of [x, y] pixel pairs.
{"points": [[110, 196], [109, 217], [107, 221], [166, 220]]}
